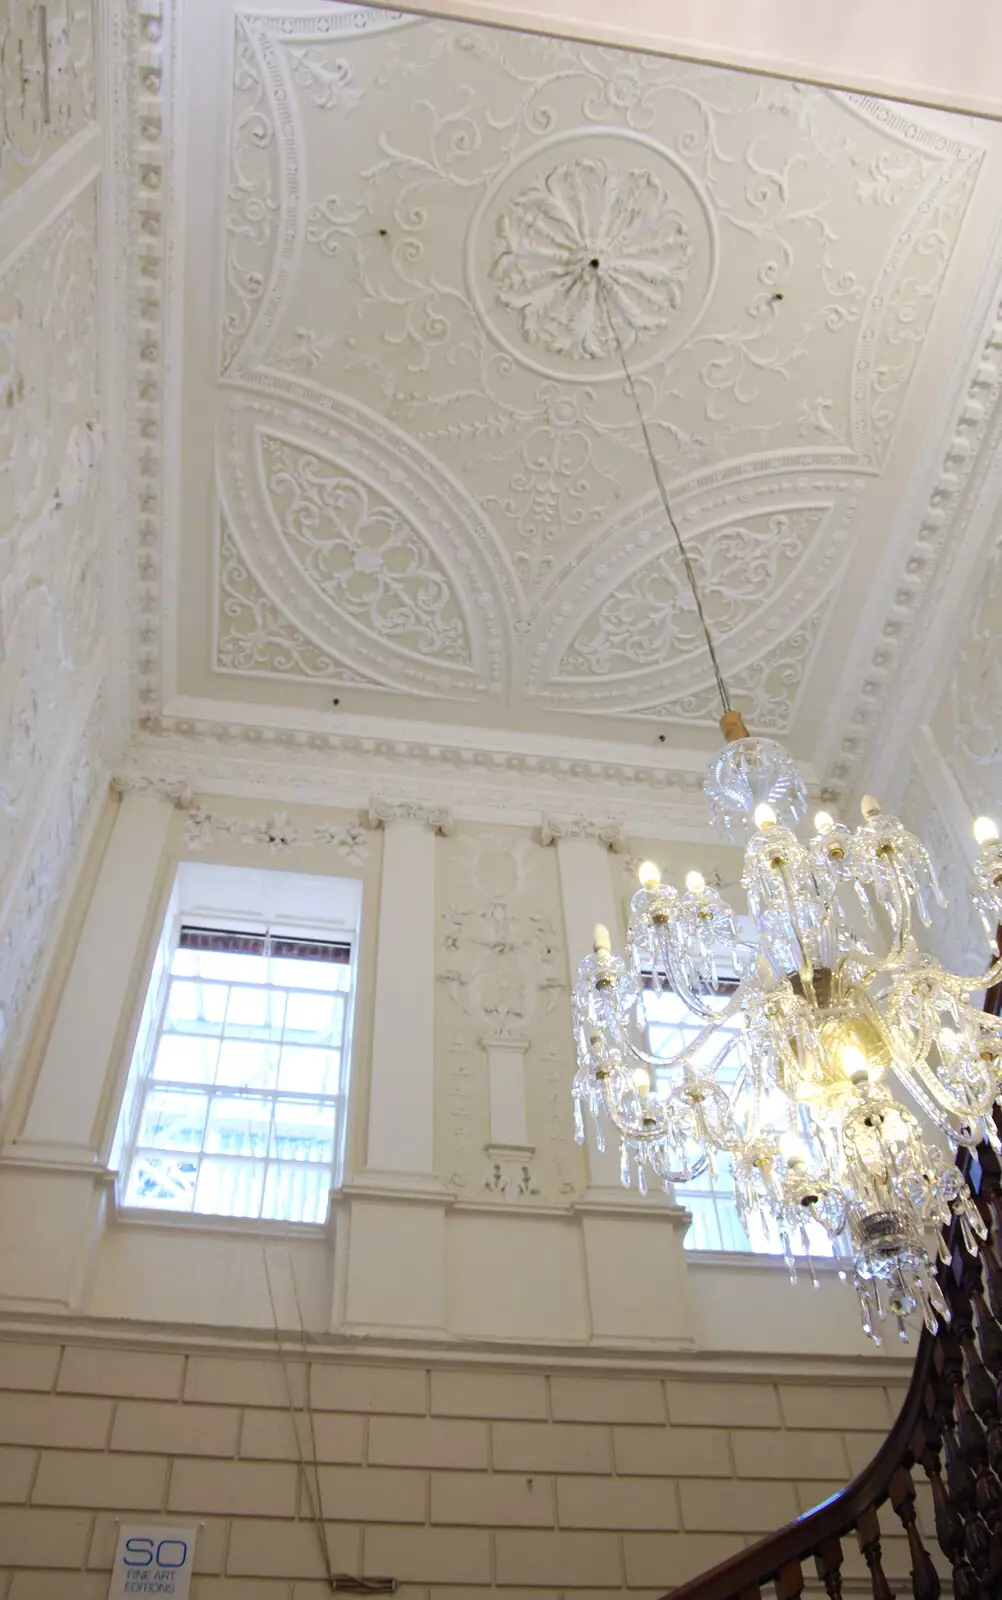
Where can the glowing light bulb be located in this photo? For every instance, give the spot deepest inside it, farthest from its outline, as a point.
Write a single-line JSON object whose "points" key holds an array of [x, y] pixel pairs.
{"points": [[694, 882], [793, 1150], [600, 938], [823, 820], [985, 831], [869, 806], [649, 874], [764, 816], [854, 1064], [642, 1081]]}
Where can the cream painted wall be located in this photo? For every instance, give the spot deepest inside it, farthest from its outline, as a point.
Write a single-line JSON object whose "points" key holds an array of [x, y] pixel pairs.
{"points": [[507, 1234]]}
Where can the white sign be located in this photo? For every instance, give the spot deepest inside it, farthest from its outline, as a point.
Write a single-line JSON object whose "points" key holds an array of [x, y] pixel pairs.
{"points": [[152, 1559]]}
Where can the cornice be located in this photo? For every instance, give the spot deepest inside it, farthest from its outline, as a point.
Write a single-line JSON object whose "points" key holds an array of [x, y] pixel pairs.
{"points": [[872, 722], [479, 779]]}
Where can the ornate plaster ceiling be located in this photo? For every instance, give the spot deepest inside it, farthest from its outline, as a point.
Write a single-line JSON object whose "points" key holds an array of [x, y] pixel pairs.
{"points": [[401, 468]]}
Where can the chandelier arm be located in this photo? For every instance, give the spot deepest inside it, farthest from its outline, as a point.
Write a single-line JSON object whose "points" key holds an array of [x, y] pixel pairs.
{"points": [[927, 1091], [987, 980], [806, 967], [684, 989]]}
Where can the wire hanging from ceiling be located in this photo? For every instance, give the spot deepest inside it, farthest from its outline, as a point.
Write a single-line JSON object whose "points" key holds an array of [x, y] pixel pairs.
{"points": [[603, 293]]}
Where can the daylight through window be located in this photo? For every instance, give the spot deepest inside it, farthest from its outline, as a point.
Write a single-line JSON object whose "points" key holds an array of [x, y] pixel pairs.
{"points": [[238, 1113], [710, 1199]]}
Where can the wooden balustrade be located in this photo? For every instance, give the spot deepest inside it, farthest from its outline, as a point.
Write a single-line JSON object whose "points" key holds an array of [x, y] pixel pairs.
{"points": [[950, 1428]]}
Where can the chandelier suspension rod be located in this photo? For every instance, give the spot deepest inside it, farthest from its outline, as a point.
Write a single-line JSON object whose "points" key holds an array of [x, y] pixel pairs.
{"points": [[725, 699]]}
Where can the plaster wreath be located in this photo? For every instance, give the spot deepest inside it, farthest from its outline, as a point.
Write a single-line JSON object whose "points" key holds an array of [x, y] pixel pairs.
{"points": [[548, 237]]}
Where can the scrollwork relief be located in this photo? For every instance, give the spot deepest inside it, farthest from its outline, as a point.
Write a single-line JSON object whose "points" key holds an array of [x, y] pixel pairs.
{"points": [[44, 879], [277, 833], [253, 635], [653, 615], [50, 447], [362, 554], [47, 82]]}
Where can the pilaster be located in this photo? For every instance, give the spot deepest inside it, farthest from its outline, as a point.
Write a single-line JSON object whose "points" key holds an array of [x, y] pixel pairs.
{"points": [[396, 1207], [588, 895]]}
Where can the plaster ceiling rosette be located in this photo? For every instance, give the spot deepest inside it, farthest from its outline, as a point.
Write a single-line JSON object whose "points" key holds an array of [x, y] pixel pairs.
{"points": [[360, 555], [609, 196]]}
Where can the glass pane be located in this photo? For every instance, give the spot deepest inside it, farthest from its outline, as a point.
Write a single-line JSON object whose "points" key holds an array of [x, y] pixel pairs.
{"points": [[186, 1059], [238, 1125], [247, 1066], [194, 1007], [255, 1014], [173, 1120], [303, 1131], [159, 1181], [314, 1019], [185, 964], [229, 1188], [292, 973], [309, 1071], [296, 1193], [227, 967]]}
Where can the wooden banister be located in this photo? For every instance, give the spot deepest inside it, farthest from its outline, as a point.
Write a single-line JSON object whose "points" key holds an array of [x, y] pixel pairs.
{"points": [[949, 1427]]}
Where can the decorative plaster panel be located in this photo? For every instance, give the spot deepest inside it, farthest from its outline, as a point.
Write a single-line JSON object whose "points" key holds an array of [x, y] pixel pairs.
{"points": [[41, 888], [50, 557], [413, 346], [47, 82], [502, 982]]}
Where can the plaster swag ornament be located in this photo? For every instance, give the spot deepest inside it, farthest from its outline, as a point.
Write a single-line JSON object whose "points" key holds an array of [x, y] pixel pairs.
{"points": [[549, 235], [277, 833]]}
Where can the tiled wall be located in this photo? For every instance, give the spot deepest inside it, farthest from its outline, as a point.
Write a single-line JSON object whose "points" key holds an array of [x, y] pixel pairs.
{"points": [[458, 1481]]}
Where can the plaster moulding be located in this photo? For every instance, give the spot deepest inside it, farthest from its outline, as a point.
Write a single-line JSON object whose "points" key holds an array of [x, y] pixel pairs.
{"points": [[478, 783], [611, 834], [221, 752], [875, 719]]}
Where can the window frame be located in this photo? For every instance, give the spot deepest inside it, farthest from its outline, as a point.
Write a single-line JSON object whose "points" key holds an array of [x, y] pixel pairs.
{"points": [[720, 1254], [139, 1073]]}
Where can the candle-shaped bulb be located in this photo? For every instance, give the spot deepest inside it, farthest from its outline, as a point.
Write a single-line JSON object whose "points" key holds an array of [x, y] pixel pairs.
{"points": [[869, 806], [793, 1149], [853, 1062], [695, 882], [985, 831], [764, 816], [823, 820], [600, 938], [642, 1081], [649, 874]]}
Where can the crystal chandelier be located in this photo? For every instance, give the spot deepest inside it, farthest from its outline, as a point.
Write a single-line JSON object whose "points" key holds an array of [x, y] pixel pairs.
{"points": [[802, 1026]]}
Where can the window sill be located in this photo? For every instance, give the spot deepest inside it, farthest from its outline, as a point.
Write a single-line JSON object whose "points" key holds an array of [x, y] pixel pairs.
{"points": [[196, 1222]]}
